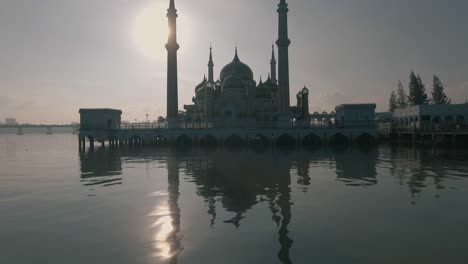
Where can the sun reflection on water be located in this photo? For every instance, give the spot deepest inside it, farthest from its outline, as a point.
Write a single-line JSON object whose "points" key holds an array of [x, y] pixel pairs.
{"points": [[165, 234]]}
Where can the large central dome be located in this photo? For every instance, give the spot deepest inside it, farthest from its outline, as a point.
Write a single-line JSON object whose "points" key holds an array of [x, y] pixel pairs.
{"points": [[236, 69]]}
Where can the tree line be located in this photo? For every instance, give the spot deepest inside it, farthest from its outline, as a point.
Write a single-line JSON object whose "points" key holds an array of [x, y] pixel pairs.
{"points": [[417, 93]]}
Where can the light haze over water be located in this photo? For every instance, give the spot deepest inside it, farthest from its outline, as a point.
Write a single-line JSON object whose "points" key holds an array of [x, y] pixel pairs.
{"points": [[148, 205]]}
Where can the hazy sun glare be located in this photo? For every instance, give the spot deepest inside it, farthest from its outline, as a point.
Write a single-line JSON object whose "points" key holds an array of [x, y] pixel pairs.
{"points": [[150, 31]]}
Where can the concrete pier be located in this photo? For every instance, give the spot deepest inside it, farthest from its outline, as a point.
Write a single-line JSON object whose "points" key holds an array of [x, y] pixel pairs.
{"points": [[431, 137], [221, 137]]}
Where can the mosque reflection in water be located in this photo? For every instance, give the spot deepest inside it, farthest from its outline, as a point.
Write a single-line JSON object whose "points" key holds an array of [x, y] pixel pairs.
{"points": [[240, 179]]}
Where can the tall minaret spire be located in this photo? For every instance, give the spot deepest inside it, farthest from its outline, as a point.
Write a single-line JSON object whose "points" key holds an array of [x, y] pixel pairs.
{"points": [[273, 64], [210, 67], [236, 56], [172, 47], [283, 43]]}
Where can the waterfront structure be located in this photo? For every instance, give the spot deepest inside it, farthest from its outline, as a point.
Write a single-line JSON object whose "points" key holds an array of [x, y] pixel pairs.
{"points": [[234, 109], [426, 124], [355, 115], [431, 117], [100, 119]]}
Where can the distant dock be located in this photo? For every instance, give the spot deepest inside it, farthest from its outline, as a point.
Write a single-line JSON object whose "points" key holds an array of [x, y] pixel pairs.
{"points": [[48, 129]]}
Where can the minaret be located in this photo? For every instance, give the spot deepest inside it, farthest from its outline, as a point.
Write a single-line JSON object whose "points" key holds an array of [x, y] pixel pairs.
{"points": [[273, 65], [210, 67], [283, 43], [172, 47]]}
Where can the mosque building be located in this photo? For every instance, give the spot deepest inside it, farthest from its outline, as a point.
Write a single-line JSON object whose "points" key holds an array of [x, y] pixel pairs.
{"points": [[235, 99]]}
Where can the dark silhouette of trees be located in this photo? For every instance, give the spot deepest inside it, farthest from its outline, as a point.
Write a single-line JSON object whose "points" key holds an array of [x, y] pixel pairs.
{"points": [[438, 93], [417, 93], [392, 102], [398, 99], [402, 97], [417, 90]]}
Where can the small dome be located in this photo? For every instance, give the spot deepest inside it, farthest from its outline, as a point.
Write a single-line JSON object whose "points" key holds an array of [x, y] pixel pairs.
{"points": [[316, 113], [233, 82], [198, 87], [238, 69], [305, 90], [324, 113]]}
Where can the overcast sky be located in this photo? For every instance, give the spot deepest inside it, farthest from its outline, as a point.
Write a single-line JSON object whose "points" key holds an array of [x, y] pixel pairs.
{"points": [[57, 56]]}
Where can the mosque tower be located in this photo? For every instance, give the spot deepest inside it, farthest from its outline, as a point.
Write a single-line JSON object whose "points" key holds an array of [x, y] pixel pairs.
{"points": [[273, 65], [172, 85], [210, 67], [283, 43]]}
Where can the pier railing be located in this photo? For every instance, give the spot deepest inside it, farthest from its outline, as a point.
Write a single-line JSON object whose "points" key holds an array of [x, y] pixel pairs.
{"points": [[203, 125], [143, 125], [130, 126]]}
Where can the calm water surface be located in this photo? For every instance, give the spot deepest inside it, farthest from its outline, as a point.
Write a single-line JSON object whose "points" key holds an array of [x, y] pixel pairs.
{"points": [[377, 205]]}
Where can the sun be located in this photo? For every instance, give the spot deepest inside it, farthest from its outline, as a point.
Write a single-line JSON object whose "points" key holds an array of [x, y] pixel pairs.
{"points": [[150, 31]]}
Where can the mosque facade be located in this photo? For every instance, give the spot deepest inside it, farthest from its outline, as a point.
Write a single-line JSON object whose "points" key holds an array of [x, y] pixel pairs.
{"points": [[235, 99]]}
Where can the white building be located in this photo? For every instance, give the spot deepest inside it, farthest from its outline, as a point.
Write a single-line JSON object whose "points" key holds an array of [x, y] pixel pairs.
{"points": [[355, 115], [100, 119], [435, 116]]}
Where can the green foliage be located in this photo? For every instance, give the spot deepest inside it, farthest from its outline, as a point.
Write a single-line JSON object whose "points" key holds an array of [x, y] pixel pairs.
{"points": [[393, 104], [438, 93], [417, 90], [402, 97]]}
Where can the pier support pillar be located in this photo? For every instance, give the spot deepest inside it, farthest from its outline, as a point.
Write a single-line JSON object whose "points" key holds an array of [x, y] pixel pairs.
{"points": [[91, 143], [49, 131], [20, 131]]}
